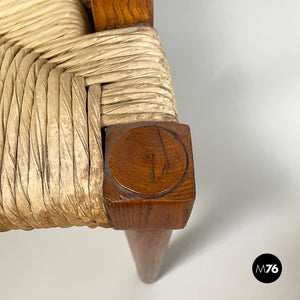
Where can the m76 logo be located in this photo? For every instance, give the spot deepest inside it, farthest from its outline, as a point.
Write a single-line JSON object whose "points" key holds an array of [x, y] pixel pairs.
{"points": [[267, 268]]}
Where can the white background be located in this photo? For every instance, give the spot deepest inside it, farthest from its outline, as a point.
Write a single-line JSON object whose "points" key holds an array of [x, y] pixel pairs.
{"points": [[236, 73]]}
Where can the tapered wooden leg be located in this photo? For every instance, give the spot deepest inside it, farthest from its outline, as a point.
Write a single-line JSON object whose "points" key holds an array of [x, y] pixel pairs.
{"points": [[148, 249]]}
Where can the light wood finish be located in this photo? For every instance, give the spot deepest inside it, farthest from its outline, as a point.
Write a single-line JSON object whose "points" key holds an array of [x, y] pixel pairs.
{"points": [[148, 249], [109, 14]]}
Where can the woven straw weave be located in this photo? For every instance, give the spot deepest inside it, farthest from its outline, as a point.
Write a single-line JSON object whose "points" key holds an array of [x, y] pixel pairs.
{"points": [[59, 85]]}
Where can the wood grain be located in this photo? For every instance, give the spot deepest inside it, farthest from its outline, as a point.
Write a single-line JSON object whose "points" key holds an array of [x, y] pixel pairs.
{"points": [[110, 14], [158, 165], [149, 176], [148, 248]]}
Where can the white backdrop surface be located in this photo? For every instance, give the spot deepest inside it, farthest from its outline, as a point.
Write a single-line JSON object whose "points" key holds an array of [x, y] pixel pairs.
{"points": [[236, 73]]}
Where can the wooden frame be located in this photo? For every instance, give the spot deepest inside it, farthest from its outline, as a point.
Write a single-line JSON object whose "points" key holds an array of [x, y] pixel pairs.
{"points": [[110, 14], [149, 186]]}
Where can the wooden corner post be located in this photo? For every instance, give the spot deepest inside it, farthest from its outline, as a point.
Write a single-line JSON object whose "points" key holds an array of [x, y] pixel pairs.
{"points": [[149, 186]]}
